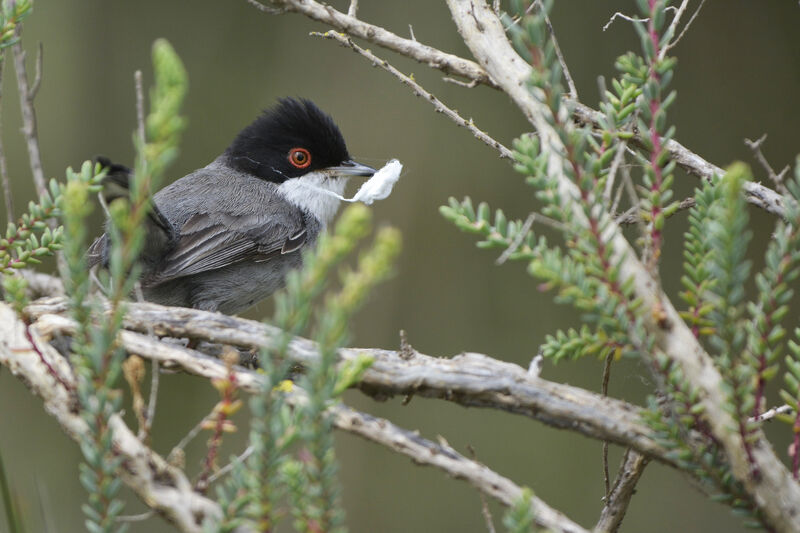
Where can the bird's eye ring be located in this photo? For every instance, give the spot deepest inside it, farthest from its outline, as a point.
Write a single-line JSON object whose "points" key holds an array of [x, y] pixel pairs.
{"points": [[299, 157]]}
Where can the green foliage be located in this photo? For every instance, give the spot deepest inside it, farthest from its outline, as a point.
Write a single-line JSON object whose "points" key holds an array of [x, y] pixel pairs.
{"points": [[652, 75], [782, 265], [21, 246], [728, 238], [11, 14], [584, 342], [309, 480], [10, 503], [520, 518], [697, 279], [96, 356]]}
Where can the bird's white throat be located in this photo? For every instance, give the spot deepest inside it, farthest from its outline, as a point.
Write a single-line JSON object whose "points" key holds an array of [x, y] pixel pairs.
{"points": [[312, 193]]}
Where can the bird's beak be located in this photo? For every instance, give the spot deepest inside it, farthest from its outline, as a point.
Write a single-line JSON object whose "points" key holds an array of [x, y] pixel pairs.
{"points": [[351, 168]]}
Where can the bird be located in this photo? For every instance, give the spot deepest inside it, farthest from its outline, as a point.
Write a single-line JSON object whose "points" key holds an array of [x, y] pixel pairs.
{"points": [[224, 237]]}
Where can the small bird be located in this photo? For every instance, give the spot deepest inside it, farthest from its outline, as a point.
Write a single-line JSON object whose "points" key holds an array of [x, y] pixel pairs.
{"points": [[224, 237]]}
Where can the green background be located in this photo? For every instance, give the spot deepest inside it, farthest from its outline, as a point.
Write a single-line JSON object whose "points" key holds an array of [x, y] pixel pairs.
{"points": [[738, 76]]}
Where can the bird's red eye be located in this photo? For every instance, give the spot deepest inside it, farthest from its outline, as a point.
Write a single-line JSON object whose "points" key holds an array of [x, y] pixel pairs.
{"points": [[299, 157]]}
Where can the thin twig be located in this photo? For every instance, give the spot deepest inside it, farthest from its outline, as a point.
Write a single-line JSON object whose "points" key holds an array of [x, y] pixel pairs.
{"points": [[628, 18], [573, 91], [352, 11], [465, 84], [141, 517], [523, 233], [176, 450], [685, 29], [618, 500], [265, 9], [612, 173], [777, 179], [771, 413], [228, 467], [604, 392], [37, 78], [487, 514], [144, 429], [26, 96], [673, 26], [622, 16], [140, 130], [7, 196], [631, 216], [419, 91]]}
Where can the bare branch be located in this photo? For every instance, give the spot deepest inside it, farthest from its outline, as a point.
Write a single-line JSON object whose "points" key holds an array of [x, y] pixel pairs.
{"points": [[26, 96], [436, 59], [620, 496], [777, 179], [685, 29], [140, 130], [352, 11], [673, 26], [771, 413], [573, 90], [620, 14], [417, 89], [7, 196], [37, 78]]}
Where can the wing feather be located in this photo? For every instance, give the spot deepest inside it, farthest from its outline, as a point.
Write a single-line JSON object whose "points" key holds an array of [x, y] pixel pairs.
{"points": [[210, 241]]}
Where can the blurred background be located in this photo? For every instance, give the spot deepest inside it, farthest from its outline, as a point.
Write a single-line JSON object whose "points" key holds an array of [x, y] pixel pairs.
{"points": [[738, 76]]}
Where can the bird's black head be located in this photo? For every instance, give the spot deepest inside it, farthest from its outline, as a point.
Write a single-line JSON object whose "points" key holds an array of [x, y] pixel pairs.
{"points": [[290, 140]]}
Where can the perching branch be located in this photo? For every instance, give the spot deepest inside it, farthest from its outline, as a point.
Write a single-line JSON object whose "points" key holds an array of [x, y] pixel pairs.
{"points": [[471, 380], [23, 362]]}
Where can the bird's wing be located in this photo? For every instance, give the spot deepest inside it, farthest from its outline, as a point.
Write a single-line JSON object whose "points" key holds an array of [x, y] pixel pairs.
{"points": [[209, 241]]}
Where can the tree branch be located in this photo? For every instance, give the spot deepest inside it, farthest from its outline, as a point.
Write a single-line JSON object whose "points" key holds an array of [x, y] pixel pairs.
{"points": [[484, 35], [26, 96], [165, 488], [436, 59], [469, 379], [620, 496], [418, 90], [408, 443]]}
